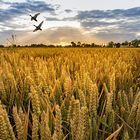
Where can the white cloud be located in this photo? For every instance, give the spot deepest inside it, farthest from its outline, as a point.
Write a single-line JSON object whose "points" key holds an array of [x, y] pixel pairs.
{"points": [[64, 23], [56, 35], [4, 6]]}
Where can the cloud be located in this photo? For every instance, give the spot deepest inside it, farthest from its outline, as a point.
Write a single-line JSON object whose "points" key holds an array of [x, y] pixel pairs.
{"points": [[33, 6], [68, 10], [60, 19], [117, 37], [53, 19], [14, 15], [118, 13], [56, 35], [17, 9], [116, 25], [7, 35], [87, 26], [123, 18]]}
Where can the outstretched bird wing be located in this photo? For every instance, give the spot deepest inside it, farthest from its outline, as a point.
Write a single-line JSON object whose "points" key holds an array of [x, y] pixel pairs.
{"points": [[35, 30], [40, 24], [35, 16]]}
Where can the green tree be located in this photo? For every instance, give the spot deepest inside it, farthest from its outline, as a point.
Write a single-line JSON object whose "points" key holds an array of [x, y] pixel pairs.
{"points": [[135, 43], [73, 44], [111, 44], [79, 44]]}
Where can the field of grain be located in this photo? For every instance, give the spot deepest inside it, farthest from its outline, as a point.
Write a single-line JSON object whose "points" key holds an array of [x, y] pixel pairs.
{"points": [[69, 94]]}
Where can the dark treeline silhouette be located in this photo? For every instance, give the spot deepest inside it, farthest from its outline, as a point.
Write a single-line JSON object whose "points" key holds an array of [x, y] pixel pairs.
{"points": [[132, 44], [1, 46]]}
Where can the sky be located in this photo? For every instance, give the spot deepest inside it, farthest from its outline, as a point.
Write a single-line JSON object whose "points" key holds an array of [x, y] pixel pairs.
{"points": [[98, 21]]}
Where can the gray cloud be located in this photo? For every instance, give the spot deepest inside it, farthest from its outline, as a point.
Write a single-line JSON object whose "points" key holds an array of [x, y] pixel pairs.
{"points": [[123, 18], [10, 17], [117, 37], [126, 20], [105, 25], [53, 19], [116, 25], [68, 10], [7, 35], [56, 35], [118, 13], [51, 36], [96, 23], [59, 19], [20, 8]]}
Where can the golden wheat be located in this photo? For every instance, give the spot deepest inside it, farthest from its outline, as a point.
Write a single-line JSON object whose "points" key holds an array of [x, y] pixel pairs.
{"points": [[71, 94]]}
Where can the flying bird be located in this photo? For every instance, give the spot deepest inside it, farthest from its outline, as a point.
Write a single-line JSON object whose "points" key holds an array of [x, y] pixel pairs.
{"points": [[34, 17], [38, 27]]}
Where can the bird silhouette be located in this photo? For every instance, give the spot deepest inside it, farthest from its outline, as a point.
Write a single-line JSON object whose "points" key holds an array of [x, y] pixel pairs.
{"points": [[34, 17], [38, 27]]}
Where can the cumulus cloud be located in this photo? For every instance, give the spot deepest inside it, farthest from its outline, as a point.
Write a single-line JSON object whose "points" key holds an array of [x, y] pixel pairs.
{"points": [[53, 19], [68, 10], [14, 15], [116, 25], [16, 9], [69, 25], [56, 35], [117, 13]]}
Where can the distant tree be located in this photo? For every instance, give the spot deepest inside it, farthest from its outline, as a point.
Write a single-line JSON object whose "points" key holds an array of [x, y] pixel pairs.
{"points": [[78, 44], [1, 46], [87, 45], [83, 45], [126, 43], [135, 43], [118, 45], [14, 45], [129, 44], [73, 44], [51, 46], [18, 46], [33, 45], [93, 45], [110, 44]]}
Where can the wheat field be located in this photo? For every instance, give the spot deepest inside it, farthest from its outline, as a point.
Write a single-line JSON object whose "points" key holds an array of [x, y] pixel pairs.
{"points": [[69, 94]]}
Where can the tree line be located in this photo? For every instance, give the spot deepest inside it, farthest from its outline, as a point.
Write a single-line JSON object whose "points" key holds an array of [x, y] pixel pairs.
{"points": [[132, 44]]}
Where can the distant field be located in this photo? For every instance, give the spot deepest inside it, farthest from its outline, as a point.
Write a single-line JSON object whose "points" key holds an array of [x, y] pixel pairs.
{"points": [[69, 94]]}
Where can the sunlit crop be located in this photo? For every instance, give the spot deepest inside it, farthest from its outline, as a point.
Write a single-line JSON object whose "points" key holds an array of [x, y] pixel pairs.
{"points": [[69, 94]]}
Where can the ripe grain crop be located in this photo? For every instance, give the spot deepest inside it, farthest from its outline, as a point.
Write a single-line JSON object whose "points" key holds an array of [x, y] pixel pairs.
{"points": [[69, 94]]}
